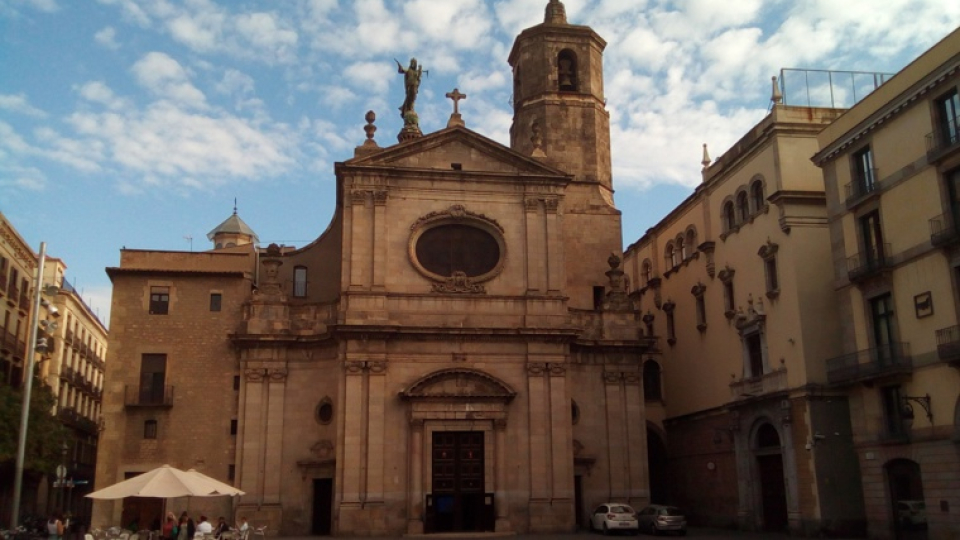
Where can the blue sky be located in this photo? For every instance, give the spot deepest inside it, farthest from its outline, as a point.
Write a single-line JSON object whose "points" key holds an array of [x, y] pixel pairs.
{"points": [[136, 123]]}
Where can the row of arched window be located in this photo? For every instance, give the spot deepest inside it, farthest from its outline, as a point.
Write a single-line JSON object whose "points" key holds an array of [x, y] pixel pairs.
{"points": [[681, 248], [744, 204]]}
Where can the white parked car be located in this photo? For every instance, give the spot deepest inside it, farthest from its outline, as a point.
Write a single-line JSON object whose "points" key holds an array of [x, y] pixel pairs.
{"points": [[612, 517]]}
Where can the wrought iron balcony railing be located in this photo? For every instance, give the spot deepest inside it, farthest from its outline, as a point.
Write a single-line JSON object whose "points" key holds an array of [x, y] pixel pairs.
{"points": [[943, 229], [135, 396], [943, 140], [866, 184], [948, 344], [869, 263], [868, 364]]}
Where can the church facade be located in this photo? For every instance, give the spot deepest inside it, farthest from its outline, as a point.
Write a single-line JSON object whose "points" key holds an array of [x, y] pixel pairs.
{"points": [[456, 352]]}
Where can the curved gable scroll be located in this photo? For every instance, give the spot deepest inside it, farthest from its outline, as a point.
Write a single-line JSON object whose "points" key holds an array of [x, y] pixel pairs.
{"points": [[458, 384]]}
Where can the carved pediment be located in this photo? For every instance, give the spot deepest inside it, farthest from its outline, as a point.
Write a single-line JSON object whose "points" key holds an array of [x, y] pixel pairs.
{"points": [[458, 147], [459, 383]]}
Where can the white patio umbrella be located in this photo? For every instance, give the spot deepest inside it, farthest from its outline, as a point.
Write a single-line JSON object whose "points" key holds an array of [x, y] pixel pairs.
{"points": [[167, 482]]}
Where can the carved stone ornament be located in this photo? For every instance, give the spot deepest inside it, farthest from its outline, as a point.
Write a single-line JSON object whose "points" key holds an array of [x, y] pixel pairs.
{"points": [[377, 366], [277, 374], [768, 250], [459, 384], [726, 275], [254, 374], [754, 314], [698, 290], [531, 204], [270, 281], [358, 196], [536, 368], [380, 197], [551, 205], [459, 283], [557, 369], [612, 377], [631, 377], [322, 449], [457, 211], [353, 367]]}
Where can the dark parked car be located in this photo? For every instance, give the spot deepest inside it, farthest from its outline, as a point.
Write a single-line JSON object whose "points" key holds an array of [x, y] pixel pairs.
{"points": [[659, 518]]}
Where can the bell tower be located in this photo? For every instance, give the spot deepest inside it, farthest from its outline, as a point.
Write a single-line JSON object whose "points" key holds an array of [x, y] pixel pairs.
{"points": [[558, 102], [560, 117]]}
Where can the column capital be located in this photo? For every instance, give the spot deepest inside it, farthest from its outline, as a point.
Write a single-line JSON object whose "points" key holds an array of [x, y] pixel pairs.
{"points": [[557, 369], [277, 375], [254, 374], [353, 367], [612, 377], [536, 368]]}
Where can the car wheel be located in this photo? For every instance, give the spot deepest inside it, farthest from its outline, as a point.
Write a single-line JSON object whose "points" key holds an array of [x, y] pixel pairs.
{"points": [[605, 529], [653, 530]]}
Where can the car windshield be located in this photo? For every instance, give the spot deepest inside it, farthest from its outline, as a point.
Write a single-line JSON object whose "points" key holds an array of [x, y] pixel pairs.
{"points": [[620, 509], [671, 511]]}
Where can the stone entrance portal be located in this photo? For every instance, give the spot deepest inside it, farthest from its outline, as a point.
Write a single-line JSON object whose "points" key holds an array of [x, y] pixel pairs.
{"points": [[458, 501]]}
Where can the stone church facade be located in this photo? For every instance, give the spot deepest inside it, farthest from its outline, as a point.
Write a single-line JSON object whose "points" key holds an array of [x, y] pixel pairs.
{"points": [[456, 352]]}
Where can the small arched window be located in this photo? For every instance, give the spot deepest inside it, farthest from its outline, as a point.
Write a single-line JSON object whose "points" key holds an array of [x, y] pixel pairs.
{"points": [[646, 273], [670, 256], [681, 249], [651, 381], [567, 71], [729, 216], [300, 281], [743, 207], [691, 239], [756, 193]]}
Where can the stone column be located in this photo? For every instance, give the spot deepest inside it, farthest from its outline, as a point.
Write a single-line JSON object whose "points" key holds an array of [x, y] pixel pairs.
{"points": [[554, 258], [360, 238], [500, 490], [374, 443], [616, 435], [250, 448], [536, 250], [540, 466], [379, 238], [560, 425], [415, 499], [273, 440], [636, 438], [352, 433]]}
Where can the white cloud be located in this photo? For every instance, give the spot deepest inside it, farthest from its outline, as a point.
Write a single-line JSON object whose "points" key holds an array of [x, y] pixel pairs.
{"points": [[21, 178], [107, 37], [370, 76], [265, 32], [165, 77], [18, 103], [99, 92]]}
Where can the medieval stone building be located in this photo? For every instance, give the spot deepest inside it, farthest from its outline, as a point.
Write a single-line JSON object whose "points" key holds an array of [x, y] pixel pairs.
{"points": [[456, 352]]}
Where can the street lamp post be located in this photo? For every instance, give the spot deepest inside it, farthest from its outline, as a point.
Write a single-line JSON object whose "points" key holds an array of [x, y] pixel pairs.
{"points": [[32, 350]]}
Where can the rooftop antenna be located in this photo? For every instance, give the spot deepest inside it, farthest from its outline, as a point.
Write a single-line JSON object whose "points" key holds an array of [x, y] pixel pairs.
{"points": [[190, 239]]}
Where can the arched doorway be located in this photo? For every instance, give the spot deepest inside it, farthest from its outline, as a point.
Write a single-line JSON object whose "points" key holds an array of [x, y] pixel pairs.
{"points": [[658, 467], [773, 492], [908, 508]]}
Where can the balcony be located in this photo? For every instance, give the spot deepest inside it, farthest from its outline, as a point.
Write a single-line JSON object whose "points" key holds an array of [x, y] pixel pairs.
{"points": [[869, 364], [944, 141], [66, 373], [869, 263], [948, 345], [69, 337], [767, 383], [861, 187], [943, 230], [134, 396]]}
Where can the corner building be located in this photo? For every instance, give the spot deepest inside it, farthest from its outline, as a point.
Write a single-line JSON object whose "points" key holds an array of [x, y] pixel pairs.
{"points": [[456, 352]]}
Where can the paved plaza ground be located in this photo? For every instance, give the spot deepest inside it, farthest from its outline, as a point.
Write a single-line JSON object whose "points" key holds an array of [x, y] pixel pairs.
{"points": [[694, 532]]}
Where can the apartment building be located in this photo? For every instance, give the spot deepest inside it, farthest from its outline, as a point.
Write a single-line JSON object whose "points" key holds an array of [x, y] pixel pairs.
{"points": [[891, 166]]}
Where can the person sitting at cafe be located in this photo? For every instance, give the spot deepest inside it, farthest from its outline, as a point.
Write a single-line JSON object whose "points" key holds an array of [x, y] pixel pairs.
{"points": [[222, 527], [204, 527]]}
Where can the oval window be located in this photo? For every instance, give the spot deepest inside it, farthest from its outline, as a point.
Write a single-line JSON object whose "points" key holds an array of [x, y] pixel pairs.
{"points": [[325, 412], [446, 249]]}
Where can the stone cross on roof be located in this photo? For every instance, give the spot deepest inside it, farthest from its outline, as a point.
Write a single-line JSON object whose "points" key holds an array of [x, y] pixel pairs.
{"points": [[455, 119]]}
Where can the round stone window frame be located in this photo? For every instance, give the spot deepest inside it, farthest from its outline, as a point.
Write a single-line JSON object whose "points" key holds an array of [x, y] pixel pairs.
{"points": [[325, 405], [456, 215]]}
